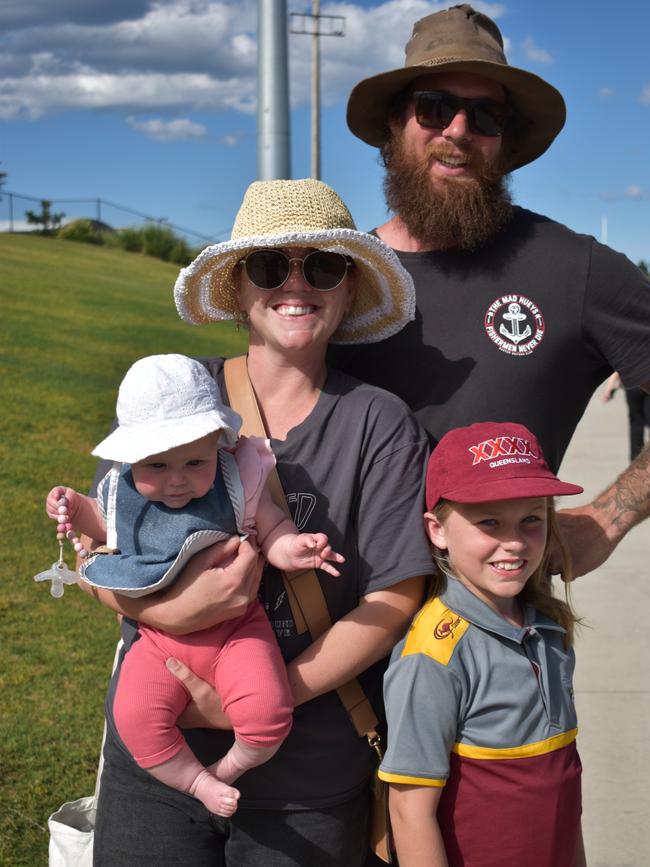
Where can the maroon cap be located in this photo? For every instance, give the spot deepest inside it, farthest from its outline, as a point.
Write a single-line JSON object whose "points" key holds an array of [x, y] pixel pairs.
{"points": [[491, 461]]}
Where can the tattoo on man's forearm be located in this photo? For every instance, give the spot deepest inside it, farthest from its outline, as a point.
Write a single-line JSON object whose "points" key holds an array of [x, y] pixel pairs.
{"points": [[628, 499]]}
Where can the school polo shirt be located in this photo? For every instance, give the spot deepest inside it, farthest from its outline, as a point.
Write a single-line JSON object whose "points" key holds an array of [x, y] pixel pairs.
{"points": [[485, 709]]}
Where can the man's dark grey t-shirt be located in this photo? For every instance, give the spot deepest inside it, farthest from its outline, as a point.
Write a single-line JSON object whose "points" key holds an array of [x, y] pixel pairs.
{"points": [[522, 330]]}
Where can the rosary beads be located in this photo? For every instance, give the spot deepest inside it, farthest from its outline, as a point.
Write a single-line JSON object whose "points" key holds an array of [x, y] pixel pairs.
{"points": [[64, 530], [58, 573]]}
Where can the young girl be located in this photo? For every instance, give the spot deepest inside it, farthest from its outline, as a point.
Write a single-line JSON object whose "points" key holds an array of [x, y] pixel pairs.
{"points": [[177, 490], [481, 758]]}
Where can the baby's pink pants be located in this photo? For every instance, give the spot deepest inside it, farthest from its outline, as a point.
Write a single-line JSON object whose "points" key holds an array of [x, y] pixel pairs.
{"points": [[239, 657]]}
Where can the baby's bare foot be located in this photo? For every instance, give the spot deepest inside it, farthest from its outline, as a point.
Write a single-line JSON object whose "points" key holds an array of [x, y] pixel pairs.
{"points": [[218, 797]]}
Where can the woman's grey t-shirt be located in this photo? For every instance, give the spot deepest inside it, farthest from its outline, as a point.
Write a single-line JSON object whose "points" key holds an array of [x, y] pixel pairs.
{"points": [[354, 469]]}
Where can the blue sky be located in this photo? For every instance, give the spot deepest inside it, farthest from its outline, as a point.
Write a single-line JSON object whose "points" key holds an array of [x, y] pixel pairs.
{"points": [[151, 105]]}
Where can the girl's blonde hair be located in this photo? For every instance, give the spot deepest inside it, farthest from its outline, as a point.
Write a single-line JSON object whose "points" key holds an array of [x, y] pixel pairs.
{"points": [[538, 591]]}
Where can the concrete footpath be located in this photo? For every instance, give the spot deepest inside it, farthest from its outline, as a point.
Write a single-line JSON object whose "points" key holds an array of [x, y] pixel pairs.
{"points": [[613, 659]]}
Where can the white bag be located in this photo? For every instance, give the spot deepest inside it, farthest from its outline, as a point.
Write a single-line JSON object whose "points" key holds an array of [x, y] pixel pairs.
{"points": [[72, 826]]}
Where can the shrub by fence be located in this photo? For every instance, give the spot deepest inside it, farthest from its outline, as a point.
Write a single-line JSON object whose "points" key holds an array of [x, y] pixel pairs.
{"points": [[150, 239], [155, 237]]}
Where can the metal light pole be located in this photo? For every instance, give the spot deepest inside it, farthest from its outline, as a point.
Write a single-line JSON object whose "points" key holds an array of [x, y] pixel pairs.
{"points": [[273, 131], [315, 93], [316, 25]]}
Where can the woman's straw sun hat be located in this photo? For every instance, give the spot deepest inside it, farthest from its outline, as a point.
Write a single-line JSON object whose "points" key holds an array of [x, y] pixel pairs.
{"points": [[302, 213]]}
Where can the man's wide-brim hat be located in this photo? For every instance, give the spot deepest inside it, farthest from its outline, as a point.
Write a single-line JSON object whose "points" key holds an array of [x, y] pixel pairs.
{"points": [[463, 40], [301, 213]]}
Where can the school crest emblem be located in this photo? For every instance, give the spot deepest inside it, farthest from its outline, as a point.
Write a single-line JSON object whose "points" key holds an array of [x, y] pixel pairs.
{"points": [[446, 626]]}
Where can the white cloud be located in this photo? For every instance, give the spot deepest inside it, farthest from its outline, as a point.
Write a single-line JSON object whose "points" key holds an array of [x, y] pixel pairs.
{"points": [[172, 35], [87, 89], [606, 92], [536, 54], [230, 140], [645, 94], [180, 56], [374, 42], [187, 55], [181, 129], [634, 191]]}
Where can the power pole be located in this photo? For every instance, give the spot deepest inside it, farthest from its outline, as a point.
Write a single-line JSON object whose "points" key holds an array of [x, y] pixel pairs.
{"points": [[316, 25], [273, 131], [315, 94]]}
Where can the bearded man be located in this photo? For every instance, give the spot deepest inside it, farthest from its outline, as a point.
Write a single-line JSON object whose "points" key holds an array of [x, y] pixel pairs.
{"points": [[518, 318]]}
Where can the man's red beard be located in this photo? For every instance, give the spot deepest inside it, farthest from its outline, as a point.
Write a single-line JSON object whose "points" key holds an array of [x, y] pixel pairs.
{"points": [[446, 213]]}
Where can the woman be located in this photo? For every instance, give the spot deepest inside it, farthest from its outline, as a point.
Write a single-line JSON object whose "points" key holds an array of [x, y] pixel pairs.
{"points": [[350, 457]]}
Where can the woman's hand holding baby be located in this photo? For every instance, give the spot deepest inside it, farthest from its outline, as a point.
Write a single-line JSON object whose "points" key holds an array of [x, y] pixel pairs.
{"points": [[204, 709]]}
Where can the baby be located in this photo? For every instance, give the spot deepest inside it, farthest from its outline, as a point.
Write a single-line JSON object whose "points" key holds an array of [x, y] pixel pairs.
{"points": [[181, 482]]}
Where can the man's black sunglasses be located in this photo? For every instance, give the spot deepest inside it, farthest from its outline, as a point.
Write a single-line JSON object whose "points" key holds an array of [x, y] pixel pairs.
{"points": [[436, 109], [270, 269]]}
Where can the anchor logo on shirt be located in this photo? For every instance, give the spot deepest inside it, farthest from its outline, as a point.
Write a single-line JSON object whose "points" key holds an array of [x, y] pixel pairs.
{"points": [[515, 317], [515, 324]]}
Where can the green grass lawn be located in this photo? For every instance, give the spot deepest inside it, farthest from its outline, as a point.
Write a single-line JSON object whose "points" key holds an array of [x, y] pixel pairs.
{"points": [[74, 317]]}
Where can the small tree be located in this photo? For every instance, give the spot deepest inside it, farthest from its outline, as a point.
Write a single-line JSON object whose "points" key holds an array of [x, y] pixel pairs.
{"points": [[643, 266], [49, 221]]}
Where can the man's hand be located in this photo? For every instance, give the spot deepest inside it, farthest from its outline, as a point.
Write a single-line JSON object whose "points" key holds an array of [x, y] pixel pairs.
{"points": [[611, 387], [591, 532], [587, 540], [204, 710]]}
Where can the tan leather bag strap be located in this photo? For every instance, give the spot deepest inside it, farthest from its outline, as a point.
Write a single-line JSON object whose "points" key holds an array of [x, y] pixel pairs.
{"points": [[305, 595], [243, 401]]}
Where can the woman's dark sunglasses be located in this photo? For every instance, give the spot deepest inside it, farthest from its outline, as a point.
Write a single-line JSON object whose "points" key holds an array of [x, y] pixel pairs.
{"points": [[436, 109], [323, 270]]}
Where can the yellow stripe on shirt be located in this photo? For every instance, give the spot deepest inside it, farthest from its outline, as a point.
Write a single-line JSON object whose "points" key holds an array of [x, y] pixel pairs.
{"points": [[410, 781], [538, 748]]}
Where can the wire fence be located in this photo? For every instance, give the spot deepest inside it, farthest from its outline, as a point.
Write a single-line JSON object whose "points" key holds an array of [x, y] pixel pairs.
{"points": [[12, 213]]}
